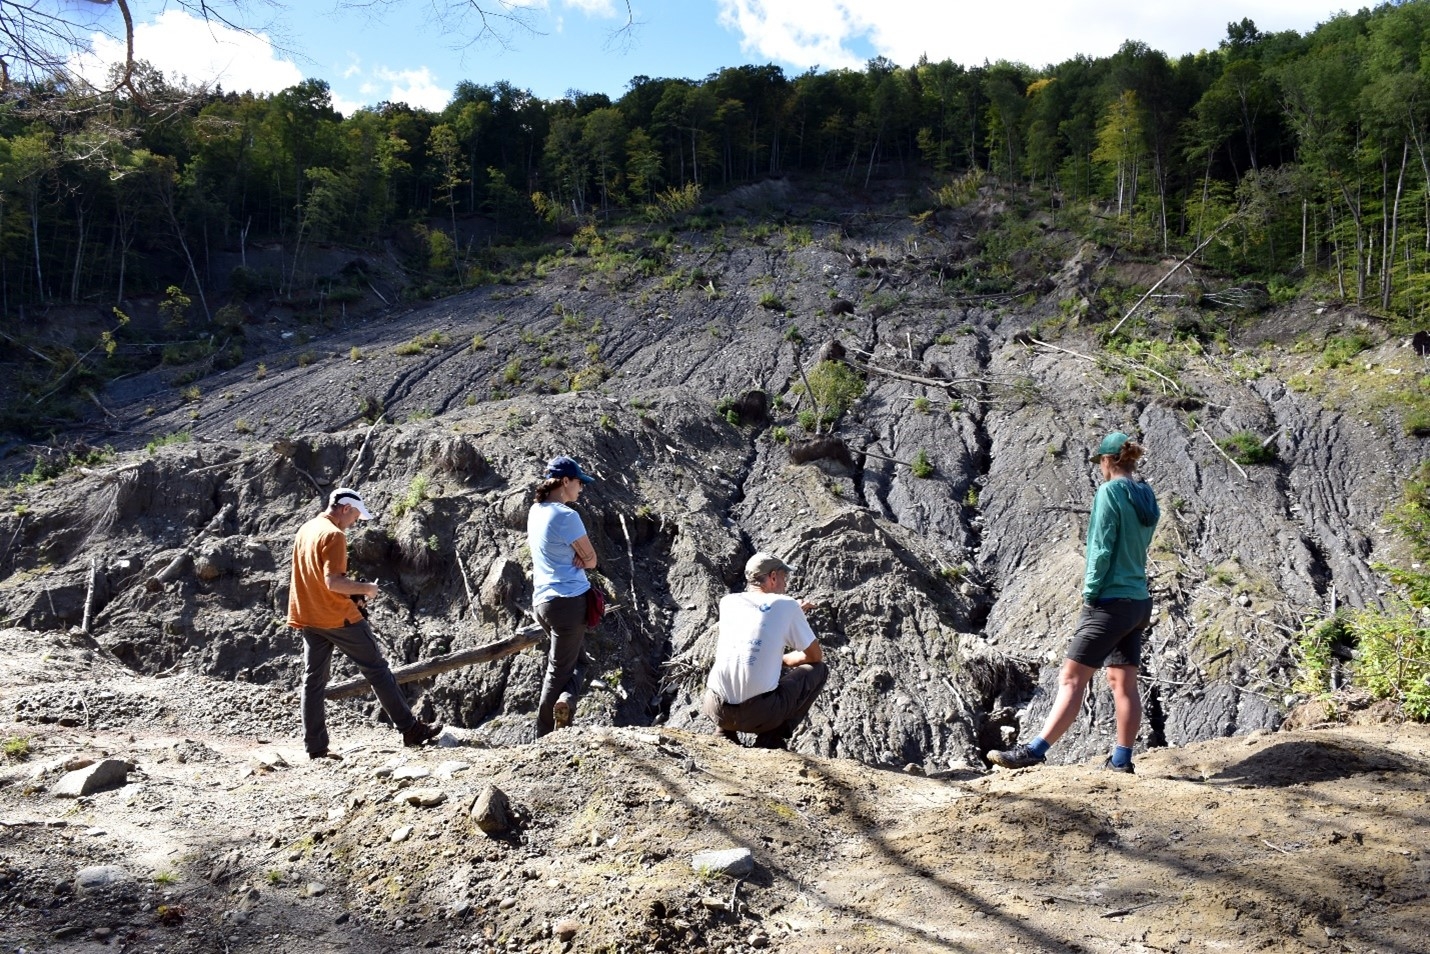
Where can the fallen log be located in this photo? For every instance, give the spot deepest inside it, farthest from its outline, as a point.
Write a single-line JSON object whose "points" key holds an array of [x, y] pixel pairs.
{"points": [[526, 636]]}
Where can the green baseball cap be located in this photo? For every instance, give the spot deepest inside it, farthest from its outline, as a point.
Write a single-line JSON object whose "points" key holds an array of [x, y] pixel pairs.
{"points": [[1111, 444]]}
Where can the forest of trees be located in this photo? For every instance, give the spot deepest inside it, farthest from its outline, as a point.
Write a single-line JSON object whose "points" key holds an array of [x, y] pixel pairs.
{"points": [[1318, 141]]}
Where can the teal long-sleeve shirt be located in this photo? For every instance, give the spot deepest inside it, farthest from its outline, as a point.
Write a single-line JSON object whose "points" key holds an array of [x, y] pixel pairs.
{"points": [[1124, 517]]}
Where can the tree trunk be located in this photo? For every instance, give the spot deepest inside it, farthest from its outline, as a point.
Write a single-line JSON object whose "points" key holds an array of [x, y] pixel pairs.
{"points": [[35, 237], [1385, 269], [526, 636]]}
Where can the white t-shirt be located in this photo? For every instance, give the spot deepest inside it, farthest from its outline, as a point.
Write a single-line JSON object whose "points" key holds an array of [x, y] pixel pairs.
{"points": [[756, 630]]}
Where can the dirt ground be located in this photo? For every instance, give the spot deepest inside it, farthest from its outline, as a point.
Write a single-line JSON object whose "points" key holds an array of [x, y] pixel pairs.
{"points": [[224, 837]]}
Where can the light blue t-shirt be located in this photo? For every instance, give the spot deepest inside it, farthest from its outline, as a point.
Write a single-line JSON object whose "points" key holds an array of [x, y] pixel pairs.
{"points": [[551, 528]]}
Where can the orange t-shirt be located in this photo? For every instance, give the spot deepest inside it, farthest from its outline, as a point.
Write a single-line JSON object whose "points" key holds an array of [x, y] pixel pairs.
{"points": [[320, 548]]}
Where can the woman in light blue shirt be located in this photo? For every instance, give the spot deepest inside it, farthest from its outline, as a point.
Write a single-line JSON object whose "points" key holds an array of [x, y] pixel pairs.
{"points": [[561, 553]]}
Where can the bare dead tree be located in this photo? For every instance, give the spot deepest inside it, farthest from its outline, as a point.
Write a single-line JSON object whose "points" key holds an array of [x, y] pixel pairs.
{"points": [[469, 23], [40, 41]]}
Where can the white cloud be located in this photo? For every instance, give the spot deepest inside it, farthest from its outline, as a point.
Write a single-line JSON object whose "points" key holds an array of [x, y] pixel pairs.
{"points": [[594, 8], [183, 46], [417, 87], [834, 33]]}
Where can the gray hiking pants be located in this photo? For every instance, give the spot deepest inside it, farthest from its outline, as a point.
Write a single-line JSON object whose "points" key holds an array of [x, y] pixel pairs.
{"points": [[773, 715], [357, 643]]}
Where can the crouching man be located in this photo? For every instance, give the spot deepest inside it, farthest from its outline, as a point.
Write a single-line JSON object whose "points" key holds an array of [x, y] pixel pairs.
{"points": [[768, 664]]}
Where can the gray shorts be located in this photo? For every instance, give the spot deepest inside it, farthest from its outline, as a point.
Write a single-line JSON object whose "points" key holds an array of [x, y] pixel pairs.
{"points": [[1110, 633]]}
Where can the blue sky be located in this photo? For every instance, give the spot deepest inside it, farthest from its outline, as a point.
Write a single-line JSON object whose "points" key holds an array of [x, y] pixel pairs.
{"points": [[396, 50]]}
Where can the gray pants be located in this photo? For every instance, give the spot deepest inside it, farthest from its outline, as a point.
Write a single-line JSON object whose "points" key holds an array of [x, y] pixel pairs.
{"points": [[772, 716], [357, 643], [564, 620]]}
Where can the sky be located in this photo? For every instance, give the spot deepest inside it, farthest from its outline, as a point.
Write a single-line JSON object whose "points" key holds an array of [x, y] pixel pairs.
{"points": [[370, 51]]}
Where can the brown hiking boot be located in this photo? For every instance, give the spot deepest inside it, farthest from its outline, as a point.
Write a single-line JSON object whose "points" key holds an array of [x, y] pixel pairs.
{"points": [[419, 733]]}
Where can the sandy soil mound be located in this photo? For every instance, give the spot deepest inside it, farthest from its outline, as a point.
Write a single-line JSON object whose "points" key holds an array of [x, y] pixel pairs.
{"points": [[223, 837]]}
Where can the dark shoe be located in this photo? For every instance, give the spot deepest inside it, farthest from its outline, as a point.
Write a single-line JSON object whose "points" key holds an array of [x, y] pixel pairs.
{"points": [[771, 740], [561, 713], [1118, 768], [1020, 756], [419, 733], [325, 754], [729, 735]]}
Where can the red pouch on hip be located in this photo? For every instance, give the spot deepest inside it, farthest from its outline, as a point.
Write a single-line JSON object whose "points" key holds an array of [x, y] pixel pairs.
{"points": [[595, 606]]}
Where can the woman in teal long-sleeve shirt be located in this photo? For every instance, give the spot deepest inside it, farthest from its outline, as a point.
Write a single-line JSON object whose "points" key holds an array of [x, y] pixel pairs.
{"points": [[1116, 608]]}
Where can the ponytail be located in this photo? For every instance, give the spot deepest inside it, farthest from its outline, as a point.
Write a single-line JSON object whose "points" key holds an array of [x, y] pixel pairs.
{"points": [[1127, 458], [546, 488]]}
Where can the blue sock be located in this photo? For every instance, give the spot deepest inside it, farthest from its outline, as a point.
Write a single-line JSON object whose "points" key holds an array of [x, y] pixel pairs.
{"points": [[1121, 755], [1038, 746]]}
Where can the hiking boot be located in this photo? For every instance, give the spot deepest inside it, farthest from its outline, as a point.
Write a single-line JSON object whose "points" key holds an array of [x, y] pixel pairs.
{"points": [[729, 735], [771, 740], [1118, 768], [1020, 756], [419, 733], [325, 754], [561, 713]]}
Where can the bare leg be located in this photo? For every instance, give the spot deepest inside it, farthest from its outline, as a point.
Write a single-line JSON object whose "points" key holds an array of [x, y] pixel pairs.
{"points": [[1072, 685], [1127, 702]]}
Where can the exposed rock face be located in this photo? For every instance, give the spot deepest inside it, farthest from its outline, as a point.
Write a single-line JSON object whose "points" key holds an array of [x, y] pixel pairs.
{"points": [[945, 602]]}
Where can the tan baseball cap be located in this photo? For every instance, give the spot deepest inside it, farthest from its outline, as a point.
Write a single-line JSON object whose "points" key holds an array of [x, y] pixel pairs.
{"points": [[762, 564]]}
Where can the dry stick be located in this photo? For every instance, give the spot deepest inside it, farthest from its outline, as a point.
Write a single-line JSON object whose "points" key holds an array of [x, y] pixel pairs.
{"points": [[913, 378], [945, 383], [967, 299], [1229, 219], [109, 476], [361, 451], [892, 460], [467, 584], [1222, 452], [291, 463], [176, 566], [1120, 360], [20, 525], [630, 556], [527, 636], [89, 595], [807, 389], [107, 412]]}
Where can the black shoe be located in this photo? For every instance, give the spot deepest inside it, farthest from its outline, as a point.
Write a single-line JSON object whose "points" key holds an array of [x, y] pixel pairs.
{"points": [[771, 740], [325, 754], [729, 735], [1118, 768], [1020, 756], [419, 733]]}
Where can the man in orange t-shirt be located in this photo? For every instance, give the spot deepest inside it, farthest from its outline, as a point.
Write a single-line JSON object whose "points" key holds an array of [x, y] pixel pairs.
{"points": [[323, 605]]}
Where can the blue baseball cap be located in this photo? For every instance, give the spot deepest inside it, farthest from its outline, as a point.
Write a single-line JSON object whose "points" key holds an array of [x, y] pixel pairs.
{"points": [[564, 466]]}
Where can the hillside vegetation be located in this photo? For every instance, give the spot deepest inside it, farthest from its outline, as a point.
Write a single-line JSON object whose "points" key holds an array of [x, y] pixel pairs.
{"points": [[1292, 162]]}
